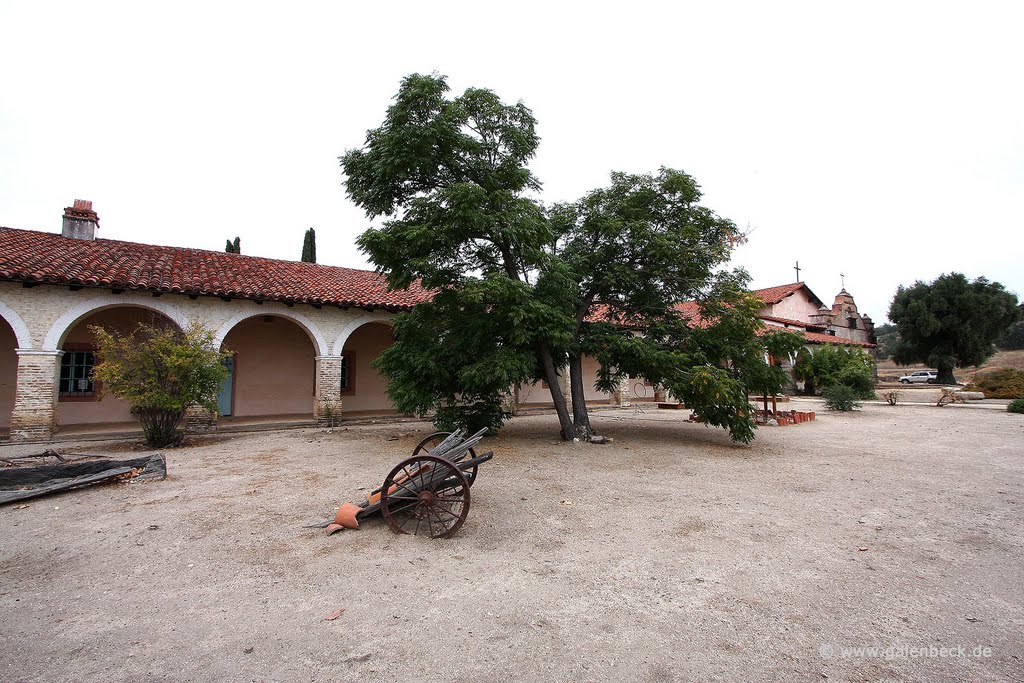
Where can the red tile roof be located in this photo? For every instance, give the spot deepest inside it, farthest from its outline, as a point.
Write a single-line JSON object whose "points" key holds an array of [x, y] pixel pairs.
{"points": [[773, 295], [30, 256], [691, 311], [821, 338], [785, 321]]}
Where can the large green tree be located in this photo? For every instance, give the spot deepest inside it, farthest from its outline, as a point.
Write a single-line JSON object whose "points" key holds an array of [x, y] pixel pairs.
{"points": [[951, 322], [451, 177], [523, 292], [638, 248]]}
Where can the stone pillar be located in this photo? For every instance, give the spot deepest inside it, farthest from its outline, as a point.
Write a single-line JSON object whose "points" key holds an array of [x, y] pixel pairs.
{"points": [[34, 417], [510, 401], [327, 406], [198, 420], [620, 395]]}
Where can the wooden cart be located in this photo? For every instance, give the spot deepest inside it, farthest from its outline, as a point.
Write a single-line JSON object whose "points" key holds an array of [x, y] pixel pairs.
{"points": [[428, 492]]}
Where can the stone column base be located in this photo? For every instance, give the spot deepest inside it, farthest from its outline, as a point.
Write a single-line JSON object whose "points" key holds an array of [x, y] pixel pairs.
{"points": [[327, 406], [34, 416], [327, 411], [620, 396], [199, 420]]}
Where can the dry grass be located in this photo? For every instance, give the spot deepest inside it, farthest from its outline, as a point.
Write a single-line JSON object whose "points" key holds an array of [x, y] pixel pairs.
{"points": [[890, 372]]}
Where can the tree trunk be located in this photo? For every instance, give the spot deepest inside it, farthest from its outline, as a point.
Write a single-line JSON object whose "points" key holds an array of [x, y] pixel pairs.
{"points": [[160, 426], [551, 376], [945, 374], [580, 414]]}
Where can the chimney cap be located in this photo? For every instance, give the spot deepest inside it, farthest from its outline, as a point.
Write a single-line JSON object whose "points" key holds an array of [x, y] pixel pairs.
{"points": [[82, 210]]}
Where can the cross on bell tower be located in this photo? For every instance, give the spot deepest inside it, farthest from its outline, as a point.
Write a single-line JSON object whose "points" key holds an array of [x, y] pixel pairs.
{"points": [[842, 280], [797, 269]]}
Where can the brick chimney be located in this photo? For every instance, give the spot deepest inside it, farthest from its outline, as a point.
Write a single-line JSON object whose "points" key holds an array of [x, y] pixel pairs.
{"points": [[80, 221]]}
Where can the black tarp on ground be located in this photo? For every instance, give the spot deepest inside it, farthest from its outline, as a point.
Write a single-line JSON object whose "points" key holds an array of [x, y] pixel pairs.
{"points": [[19, 483]]}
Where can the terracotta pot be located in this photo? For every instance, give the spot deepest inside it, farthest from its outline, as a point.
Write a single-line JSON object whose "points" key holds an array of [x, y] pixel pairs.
{"points": [[346, 516]]}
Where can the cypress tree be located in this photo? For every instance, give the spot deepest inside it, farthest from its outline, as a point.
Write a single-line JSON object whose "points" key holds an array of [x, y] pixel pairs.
{"points": [[309, 247]]}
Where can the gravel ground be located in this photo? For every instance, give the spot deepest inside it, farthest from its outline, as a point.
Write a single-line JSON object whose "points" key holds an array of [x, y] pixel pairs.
{"points": [[670, 554]]}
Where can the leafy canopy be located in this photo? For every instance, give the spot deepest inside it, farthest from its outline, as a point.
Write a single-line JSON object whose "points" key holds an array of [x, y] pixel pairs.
{"points": [[453, 174], [834, 365], [1014, 337], [451, 177], [638, 248], [516, 283], [951, 322]]}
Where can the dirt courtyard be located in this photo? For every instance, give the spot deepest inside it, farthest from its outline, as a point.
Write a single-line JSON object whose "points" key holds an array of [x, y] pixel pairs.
{"points": [[668, 555]]}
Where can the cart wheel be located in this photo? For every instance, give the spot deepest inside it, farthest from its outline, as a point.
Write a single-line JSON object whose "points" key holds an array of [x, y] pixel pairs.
{"points": [[435, 439], [427, 494]]}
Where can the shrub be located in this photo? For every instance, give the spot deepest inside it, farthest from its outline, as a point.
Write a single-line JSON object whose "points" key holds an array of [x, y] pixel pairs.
{"points": [[950, 396], [892, 397], [1000, 383], [473, 417], [161, 371], [1016, 406], [832, 365], [841, 397]]}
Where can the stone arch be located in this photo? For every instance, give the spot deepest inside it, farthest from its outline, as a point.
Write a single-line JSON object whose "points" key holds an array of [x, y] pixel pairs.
{"points": [[376, 317], [10, 345], [311, 328], [21, 332], [71, 317], [273, 366]]}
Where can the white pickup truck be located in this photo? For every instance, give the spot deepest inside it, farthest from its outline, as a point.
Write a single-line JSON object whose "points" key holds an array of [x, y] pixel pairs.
{"points": [[920, 377]]}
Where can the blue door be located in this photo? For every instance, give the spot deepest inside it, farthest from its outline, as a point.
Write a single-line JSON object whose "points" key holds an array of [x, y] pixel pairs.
{"points": [[224, 395]]}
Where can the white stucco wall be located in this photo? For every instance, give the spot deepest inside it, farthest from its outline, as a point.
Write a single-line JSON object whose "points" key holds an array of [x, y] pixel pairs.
{"points": [[369, 389], [797, 306], [42, 317]]}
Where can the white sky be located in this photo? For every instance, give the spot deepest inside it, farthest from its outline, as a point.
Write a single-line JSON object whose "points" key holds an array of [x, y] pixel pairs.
{"points": [[881, 140]]}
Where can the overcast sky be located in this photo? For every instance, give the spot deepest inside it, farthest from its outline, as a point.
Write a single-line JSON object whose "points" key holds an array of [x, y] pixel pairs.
{"points": [[881, 140]]}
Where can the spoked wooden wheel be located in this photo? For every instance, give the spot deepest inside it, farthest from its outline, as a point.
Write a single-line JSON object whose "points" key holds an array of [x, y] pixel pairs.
{"points": [[435, 439], [425, 494]]}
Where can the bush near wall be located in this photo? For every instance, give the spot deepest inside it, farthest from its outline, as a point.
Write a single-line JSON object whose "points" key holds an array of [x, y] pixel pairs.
{"points": [[1016, 406], [830, 366], [841, 397], [1000, 383]]}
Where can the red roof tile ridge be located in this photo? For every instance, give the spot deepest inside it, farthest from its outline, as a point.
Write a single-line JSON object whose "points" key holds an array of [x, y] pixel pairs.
{"points": [[773, 295], [788, 321], [37, 256]]}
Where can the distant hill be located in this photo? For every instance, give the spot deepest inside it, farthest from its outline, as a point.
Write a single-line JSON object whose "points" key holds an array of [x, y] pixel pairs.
{"points": [[890, 372]]}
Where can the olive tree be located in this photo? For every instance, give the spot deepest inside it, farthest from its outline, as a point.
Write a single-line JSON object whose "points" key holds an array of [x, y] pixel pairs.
{"points": [[951, 322]]}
